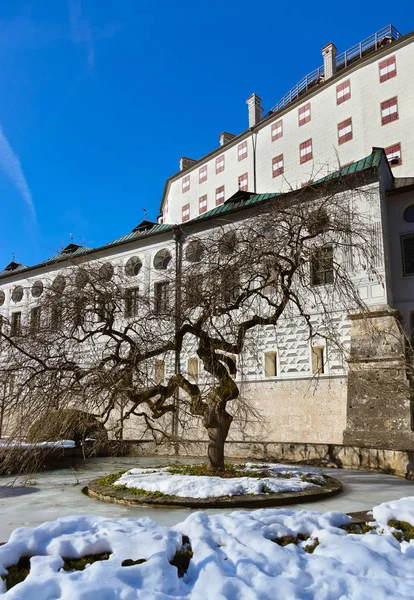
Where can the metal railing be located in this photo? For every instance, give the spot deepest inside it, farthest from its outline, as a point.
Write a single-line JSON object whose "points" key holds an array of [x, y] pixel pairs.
{"points": [[374, 41]]}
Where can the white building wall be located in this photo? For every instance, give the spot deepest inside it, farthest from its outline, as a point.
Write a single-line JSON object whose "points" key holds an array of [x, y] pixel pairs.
{"points": [[367, 93]]}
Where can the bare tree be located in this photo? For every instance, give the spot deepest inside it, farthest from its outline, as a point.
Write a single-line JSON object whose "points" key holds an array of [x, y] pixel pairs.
{"points": [[103, 346]]}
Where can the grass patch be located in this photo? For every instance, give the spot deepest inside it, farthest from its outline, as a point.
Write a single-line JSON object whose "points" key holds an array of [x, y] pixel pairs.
{"points": [[285, 540], [128, 562], [357, 528], [405, 530], [182, 557], [79, 564], [111, 478], [17, 573]]}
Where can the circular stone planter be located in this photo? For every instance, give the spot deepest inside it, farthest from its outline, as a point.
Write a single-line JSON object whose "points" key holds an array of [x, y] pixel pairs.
{"points": [[108, 494]]}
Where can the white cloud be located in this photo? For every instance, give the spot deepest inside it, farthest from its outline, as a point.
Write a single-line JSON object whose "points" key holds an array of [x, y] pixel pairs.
{"points": [[81, 30], [10, 164]]}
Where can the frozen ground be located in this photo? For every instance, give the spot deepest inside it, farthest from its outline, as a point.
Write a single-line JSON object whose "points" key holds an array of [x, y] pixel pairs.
{"points": [[56, 494], [233, 558], [281, 479]]}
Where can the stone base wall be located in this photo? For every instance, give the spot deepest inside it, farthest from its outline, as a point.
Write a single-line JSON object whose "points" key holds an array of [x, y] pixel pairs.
{"points": [[393, 462]]}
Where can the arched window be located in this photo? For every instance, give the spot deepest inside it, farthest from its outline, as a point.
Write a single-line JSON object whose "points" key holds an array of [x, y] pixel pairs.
{"points": [[409, 214], [133, 266], [106, 272], [228, 243], [2, 297], [81, 279], [59, 284], [17, 294], [37, 289], [162, 259], [195, 251]]}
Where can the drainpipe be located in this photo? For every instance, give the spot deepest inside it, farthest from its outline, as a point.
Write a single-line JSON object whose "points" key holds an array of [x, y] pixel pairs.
{"points": [[178, 239]]}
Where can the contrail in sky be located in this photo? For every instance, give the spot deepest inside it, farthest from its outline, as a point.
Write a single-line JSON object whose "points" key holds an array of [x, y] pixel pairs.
{"points": [[10, 164]]}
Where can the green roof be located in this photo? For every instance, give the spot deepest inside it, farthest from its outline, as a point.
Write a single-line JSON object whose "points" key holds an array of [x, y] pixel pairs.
{"points": [[369, 162]]}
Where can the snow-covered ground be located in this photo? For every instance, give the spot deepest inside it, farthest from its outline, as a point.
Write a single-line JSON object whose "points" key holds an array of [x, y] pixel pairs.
{"points": [[234, 558], [282, 478]]}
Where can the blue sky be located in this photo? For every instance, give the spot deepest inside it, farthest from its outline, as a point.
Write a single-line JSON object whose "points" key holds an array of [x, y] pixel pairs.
{"points": [[100, 98]]}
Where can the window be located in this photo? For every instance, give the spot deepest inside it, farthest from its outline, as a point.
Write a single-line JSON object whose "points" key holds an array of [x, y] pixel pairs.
{"points": [[318, 360], [242, 151], [16, 324], [229, 285], [387, 69], [17, 293], [322, 269], [59, 284], [35, 316], [304, 114], [192, 368], [186, 183], [194, 252], [202, 174], [227, 243], [159, 372], [106, 272], [161, 297], [81, 279], [343, 92], [133, 266], [389, 111], [220, 195], [409, 214], [131, 301], [277, 130], [407, 253], [162, 259], [79, 312], [277, 165], [305, 151], [202, 204], [37, 289], [393, 154], [243, 182], [270, 365], [2, 297], [220, 163], [345, 131], [194, 290], [55, 317], [186, 213]]}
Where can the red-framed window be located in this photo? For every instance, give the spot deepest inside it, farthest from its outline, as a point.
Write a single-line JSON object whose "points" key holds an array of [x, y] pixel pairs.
{"points": [[220, 163], [277, 130], [305, 151], [220, 195], [389, 110], [387, 69], [394, 156], [186, 183], [242, 151], [202, 204], [343, 91], [186, 213], [345, 131], [277, 165], [243, 182], [202, 174], [304, 114]]}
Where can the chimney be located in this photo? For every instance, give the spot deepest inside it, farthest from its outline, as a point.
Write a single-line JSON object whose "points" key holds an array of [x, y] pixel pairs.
{"points": [[329, 60], [226, 137], [185, 163], [255, 110]]}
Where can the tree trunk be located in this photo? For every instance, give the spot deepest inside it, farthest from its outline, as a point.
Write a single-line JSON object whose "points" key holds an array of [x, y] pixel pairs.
{"points": [[217, 425]]}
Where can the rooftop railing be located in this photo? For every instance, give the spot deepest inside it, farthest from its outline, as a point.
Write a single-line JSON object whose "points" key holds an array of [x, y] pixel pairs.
{"points": [[374, 41]]}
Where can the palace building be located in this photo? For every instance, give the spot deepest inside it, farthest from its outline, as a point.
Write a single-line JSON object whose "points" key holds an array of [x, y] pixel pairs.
{"points": [[350, 118]]}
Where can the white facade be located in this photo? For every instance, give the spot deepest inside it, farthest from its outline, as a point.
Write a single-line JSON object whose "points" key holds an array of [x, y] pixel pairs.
{"points": [[317, 115]]}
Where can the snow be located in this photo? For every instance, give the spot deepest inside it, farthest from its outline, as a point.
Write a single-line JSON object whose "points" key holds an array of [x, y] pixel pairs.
{"points": [[234, 558], [57, 444], [284, 479]]}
